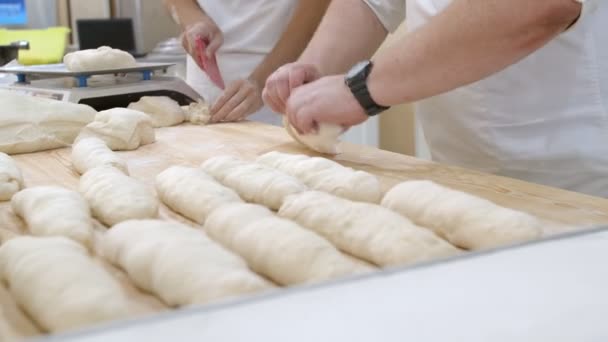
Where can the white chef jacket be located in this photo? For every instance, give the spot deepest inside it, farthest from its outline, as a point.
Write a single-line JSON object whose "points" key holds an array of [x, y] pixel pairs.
{"points": [[251, 29], [543, 120]]}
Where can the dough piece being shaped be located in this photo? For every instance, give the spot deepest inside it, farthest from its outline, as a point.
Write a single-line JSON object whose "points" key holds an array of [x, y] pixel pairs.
{"points": [[192, 193], [163, 110], [102, 58], [121, 129], [324, 141], [197, 112], [59, 285], [252, 181], [277, 248], [326, 175], [88, 153], [115, 197], [178, 263], [465, 220], [11, 179], [31, 124], [365, 230], [55, 211]]}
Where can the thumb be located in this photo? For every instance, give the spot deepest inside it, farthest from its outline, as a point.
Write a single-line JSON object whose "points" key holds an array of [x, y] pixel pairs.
{"points": [[215, 42]]}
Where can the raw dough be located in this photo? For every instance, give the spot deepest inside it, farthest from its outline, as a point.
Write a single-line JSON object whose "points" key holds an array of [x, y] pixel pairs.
{"points": [[465, 220], [31, 124], [115, 197], [53, 210], [192, 193], [365, 230], [88, 153], [121, 129], [252, 181], [163, 110], [59, 285], [326, 175], [324, 141], [277, 248], [102, 58], [11, 179], [197, 112], [14, 324], [178, 263]]}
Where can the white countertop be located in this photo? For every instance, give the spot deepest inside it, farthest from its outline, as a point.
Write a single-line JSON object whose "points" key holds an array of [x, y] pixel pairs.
{"points": [[550, 291]]}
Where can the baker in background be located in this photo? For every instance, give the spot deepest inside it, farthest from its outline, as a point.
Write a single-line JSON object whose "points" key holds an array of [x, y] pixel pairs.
{"points": [[512, 87], [251, 39]]}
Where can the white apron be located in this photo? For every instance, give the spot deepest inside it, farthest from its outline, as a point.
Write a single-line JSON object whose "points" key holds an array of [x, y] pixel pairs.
{"points": [[251, 29]]}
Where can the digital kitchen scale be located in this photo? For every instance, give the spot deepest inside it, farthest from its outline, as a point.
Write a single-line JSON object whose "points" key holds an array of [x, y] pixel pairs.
{"points": [[100, 89]]}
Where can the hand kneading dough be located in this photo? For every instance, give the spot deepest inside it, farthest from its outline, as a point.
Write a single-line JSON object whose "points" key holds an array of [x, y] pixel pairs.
{"points": [[53, 210], [162, 109], [31, 124], [11, 179], [92, 152], [102, 58], [365, 230], [192, 193], [115, 197], [197, 112], [178, 263], [326, 175], [324, 141], [121, 129], [59, 285], [465, 220], [252, 181], [278, 248]]}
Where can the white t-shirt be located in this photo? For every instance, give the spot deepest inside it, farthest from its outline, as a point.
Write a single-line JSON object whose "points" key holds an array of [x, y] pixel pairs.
{"points": [[544, 119], [251, 29]]}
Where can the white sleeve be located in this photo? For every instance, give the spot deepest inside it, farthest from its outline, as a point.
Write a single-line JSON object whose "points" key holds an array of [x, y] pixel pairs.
{"points": [[391, 13], [589, 6]]}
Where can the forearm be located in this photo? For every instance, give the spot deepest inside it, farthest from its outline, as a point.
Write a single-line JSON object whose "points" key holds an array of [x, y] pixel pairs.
{"points": [[349, 32], [468, 41], [185, 12], [294, 39]]}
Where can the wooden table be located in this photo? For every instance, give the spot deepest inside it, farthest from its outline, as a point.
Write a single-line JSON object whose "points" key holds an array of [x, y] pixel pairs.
{"points": [[190, 145]]}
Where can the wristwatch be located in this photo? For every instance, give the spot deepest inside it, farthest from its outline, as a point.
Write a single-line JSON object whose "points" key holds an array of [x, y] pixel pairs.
{"points": [[356, 80]]}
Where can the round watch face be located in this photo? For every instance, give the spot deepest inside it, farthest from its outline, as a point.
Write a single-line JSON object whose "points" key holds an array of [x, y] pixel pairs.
{"points": [[356, 69]]}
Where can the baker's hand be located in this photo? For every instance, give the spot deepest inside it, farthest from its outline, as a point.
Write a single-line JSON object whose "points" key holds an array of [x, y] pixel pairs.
{"points": [[326, 100], [240, 99], [284, 80], [207, 30]]}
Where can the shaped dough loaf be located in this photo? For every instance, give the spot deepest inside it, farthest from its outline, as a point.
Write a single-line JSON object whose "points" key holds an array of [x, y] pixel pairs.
{"points": [[11, 179], [278, 248], [115, 197], [365, 230], [179, 264], [53, 210], [324, 141], [326, 175], [31, 124], [121, 129], [465, 220], [88, 153], [59, 285], [197, 112], [162, 109], [102, 58], [14, 324], [192, 193], [252, 181]]}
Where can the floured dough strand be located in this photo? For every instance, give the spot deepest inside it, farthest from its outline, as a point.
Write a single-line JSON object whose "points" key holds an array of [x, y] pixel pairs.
{"points": [[326, 175], [254, 182], [55, 211], [11, 179], [323, 141], [163, 110], [58, 284], [115, 197], [121, 129], [368, 231], [92, 152], [178, 263], [197, 112], [192, 193], [465, 220], [277, 248], [102, 58]]}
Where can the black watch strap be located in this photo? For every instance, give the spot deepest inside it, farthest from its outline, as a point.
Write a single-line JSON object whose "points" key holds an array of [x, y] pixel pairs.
{"points": [[356, 80]]}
